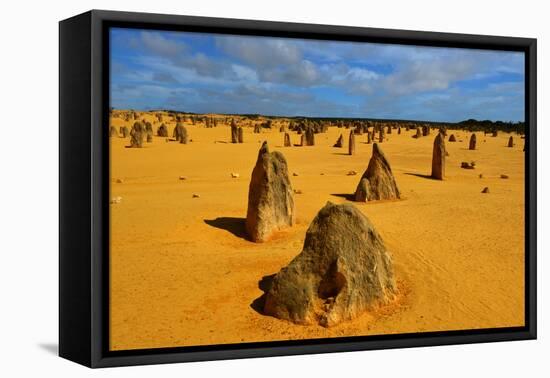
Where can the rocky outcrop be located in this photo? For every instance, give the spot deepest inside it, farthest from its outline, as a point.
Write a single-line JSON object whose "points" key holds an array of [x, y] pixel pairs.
{"points": [[137, 135], [287, 140], [270, 196], [511, 141], [240, 135], [473, 142], [234, 132], [438, 157], [351, 143], [310, 137], [162, 131], [425, 130], [124, 131], [377, 183], [452, 138], [180, 133], [343, 270]]}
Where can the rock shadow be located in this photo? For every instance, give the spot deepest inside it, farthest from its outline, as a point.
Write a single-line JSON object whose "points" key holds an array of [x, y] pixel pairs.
{"points": [[348, 196], [421, 175], [232, 224], [264, 285]]}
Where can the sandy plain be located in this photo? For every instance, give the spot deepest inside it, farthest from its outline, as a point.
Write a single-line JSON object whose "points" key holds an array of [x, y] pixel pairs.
{"points": [[182, 272]]}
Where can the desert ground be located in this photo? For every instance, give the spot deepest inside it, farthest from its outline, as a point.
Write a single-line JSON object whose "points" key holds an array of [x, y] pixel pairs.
{"points": [[182, 272]]}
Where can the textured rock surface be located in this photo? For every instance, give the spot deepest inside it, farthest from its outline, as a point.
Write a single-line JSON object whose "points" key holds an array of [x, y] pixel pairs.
{"points": [[124, 131], [310, 137], [473, 142], [342, 271], [180, 133], [136, 135], [438, 157], [240, 135], [270, 196], [287, 140], [351, 143], [452, 138], [377, 183], [162, 131], [425, 130], [113, 132], [234, 132]]}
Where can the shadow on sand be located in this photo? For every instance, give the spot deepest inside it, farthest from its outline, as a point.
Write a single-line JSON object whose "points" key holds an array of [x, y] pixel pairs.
{"points": [[231, 224], [420, 175], [264, 285], [341, 153], [348, 196]]}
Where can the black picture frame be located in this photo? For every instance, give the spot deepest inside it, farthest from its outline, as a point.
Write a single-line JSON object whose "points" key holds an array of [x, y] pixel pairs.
{"points": [[84, 189]]}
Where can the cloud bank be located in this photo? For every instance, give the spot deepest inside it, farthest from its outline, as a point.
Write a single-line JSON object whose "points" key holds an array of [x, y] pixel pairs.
{"points": [[205, 73]]}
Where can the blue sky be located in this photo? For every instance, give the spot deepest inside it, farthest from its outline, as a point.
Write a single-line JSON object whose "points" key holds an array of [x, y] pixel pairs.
{"points": [[216, 73]]}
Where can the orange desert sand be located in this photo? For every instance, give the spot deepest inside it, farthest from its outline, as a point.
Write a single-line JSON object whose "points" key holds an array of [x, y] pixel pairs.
{"points": [[183, 273]]}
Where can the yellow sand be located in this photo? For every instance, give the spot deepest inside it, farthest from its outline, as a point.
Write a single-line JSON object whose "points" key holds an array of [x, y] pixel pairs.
{"points": [[180, 276]]}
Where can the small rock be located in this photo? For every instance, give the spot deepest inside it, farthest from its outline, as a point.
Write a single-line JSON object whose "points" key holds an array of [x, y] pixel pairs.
{"points": [[352, 173], [467, 165], [481, 175], [504, 176], [294, 174], [196, 195], [183, 178], [116, 199], [297, 191], [485, 190], [119, 181], [235, 175], [322, 174]]}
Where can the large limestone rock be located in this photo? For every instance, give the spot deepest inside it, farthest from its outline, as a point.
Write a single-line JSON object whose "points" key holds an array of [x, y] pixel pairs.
{"points": [[113, 132], [473, 142], [342, 271], [270, 196], [310, 137], [124, 131], [287, 140], [240, 135], [234, 132], [162, 131], [438, 157], [136, 135], [351, 143], [180, 133], [425, 130], [511, 142], [452, 138], [377, 183]]}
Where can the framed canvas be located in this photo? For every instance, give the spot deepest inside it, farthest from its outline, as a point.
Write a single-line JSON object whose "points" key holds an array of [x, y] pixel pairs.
{"points": [[235, 188]]}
